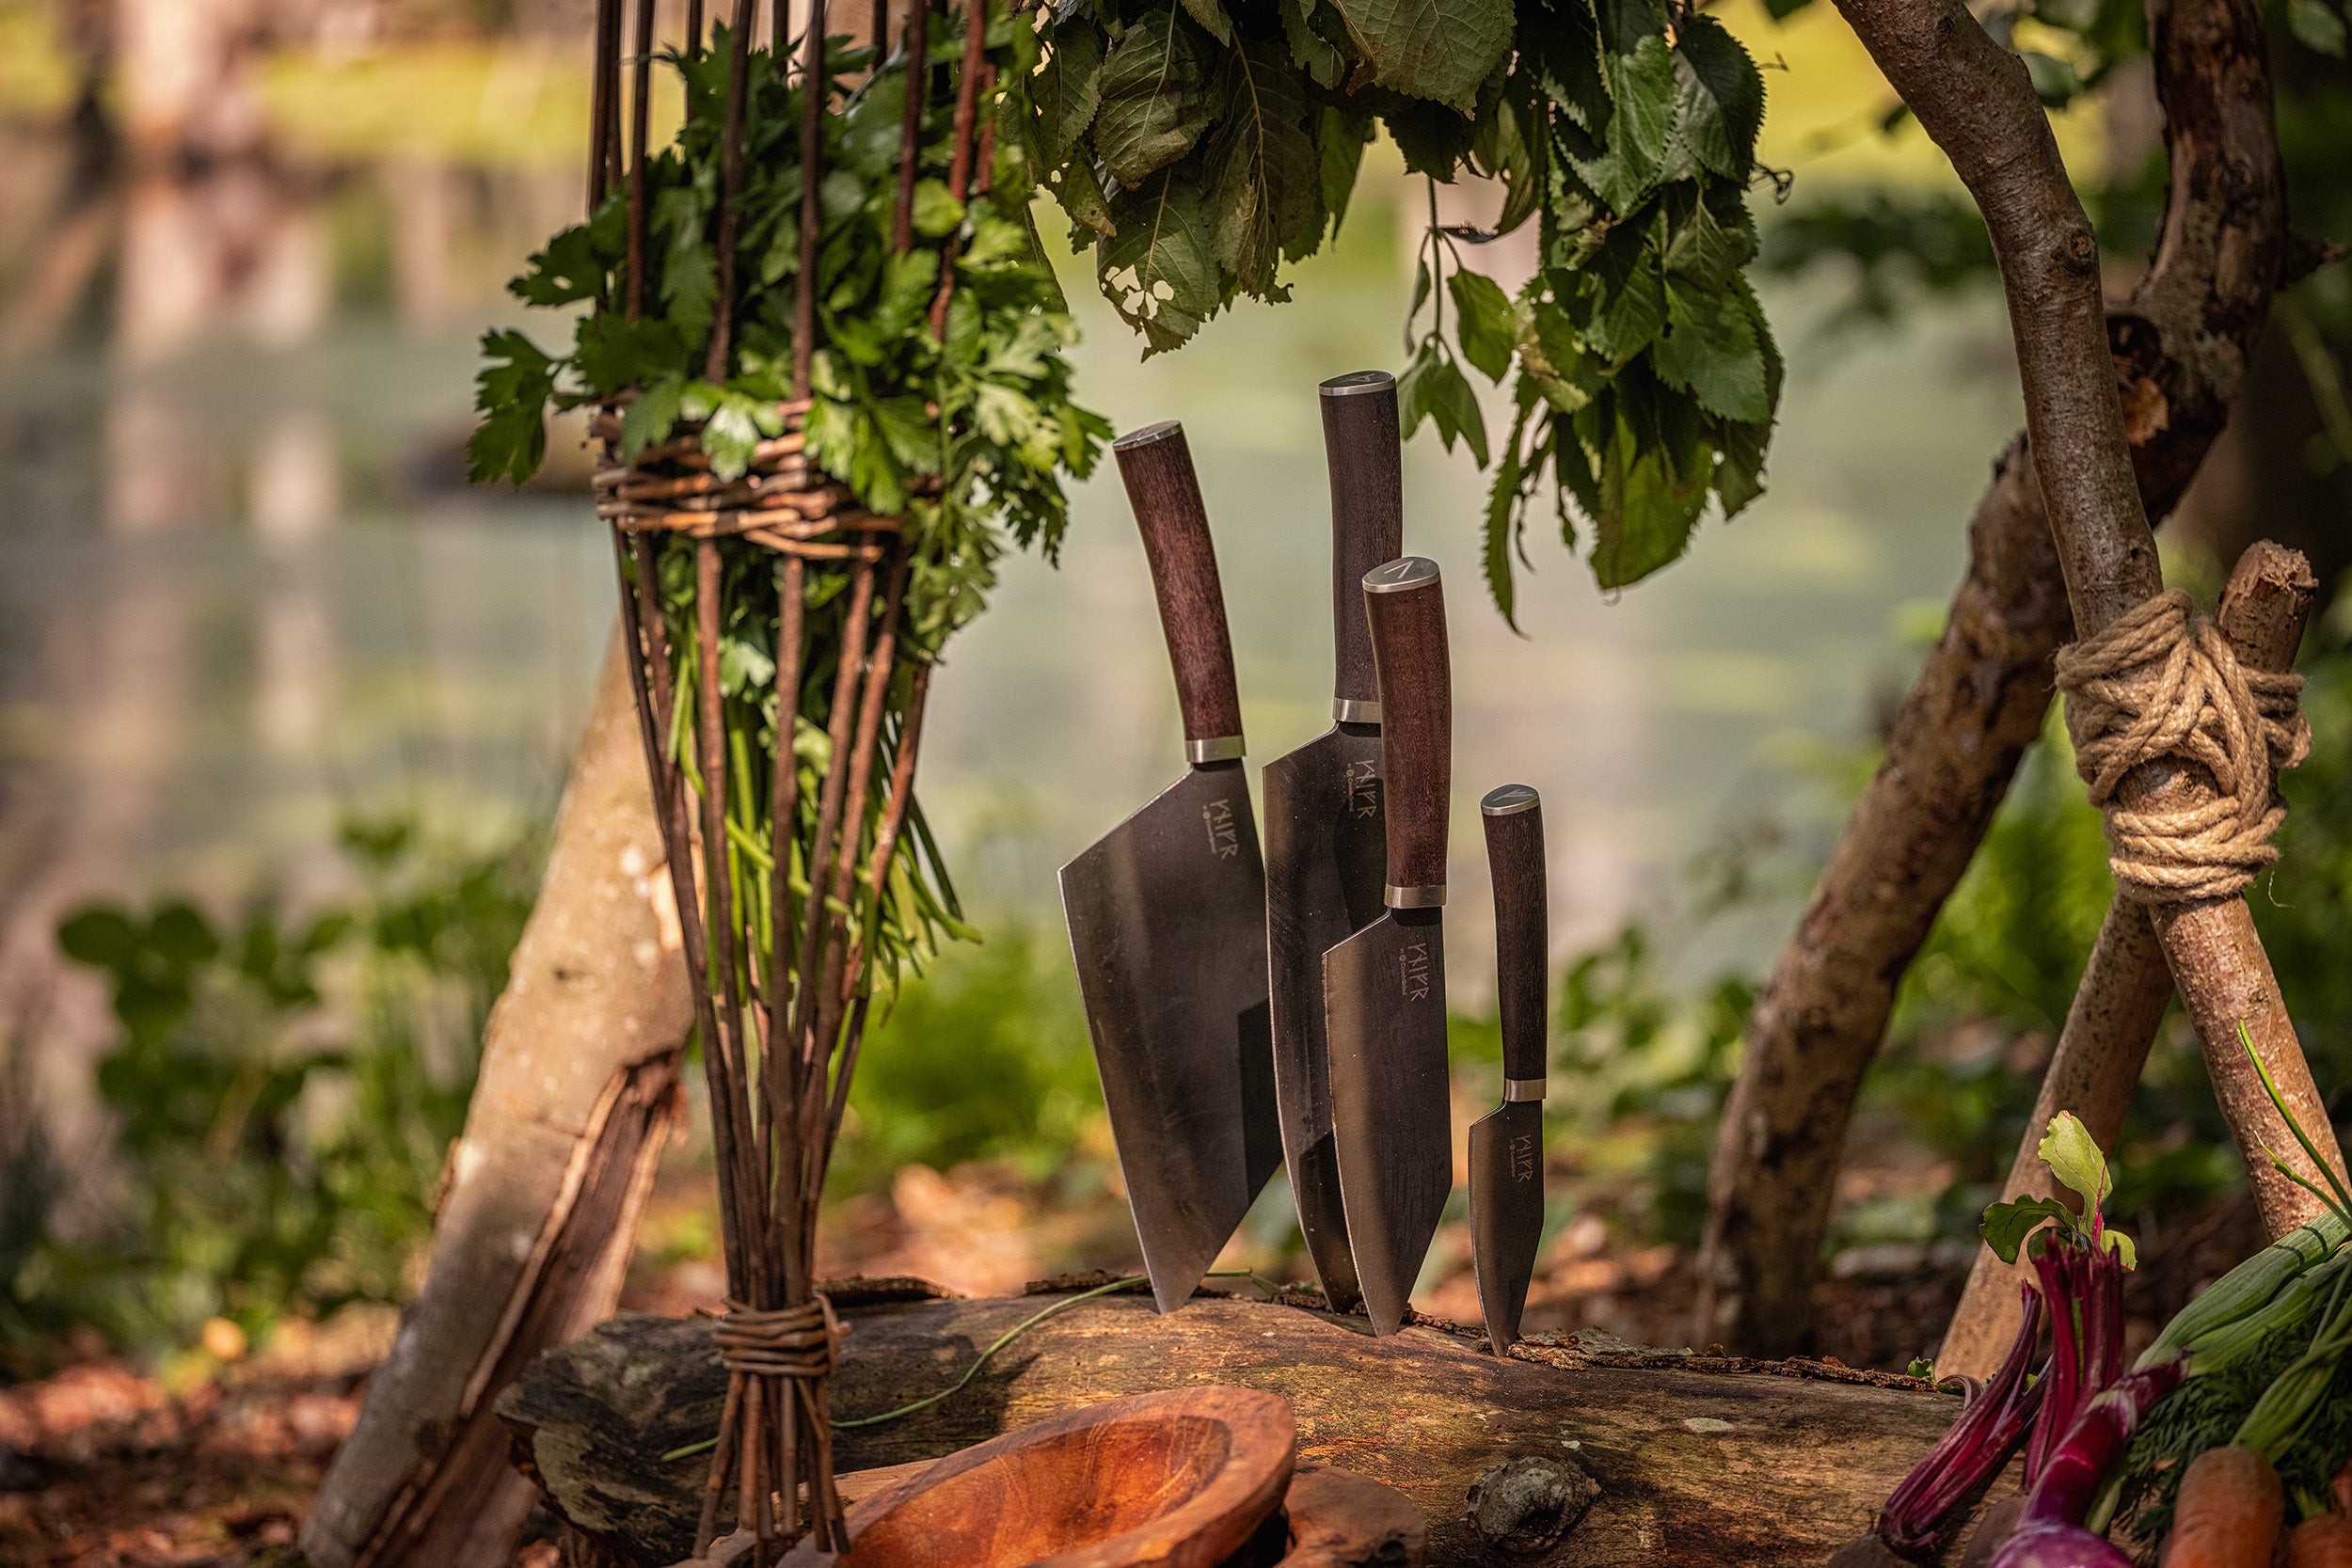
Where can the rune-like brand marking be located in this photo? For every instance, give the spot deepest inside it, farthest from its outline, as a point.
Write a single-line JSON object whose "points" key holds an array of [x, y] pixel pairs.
{"points": [[1363, 789], [1523, 1157], [1413, 971], [1224, 838]]}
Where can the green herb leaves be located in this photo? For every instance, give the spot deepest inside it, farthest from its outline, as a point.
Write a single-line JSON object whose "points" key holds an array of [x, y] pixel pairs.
{"points": [[2073, 1156]]}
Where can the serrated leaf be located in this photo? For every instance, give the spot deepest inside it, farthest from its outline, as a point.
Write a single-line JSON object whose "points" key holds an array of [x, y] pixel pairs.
{"points": [[2316, 25], [1082, 200], [1706, 252], [1631, 318], [2072, 1155], [649, 419], [1440, 390], [1739, 473], [512, 398], [1069, 91], [1153, 96], [2007, 1224], [1488, 326], [1648, 510], [567, 270], [1159, 270], [1261, 171], [1341, 149], [1553, 359], [1317, 54], [1212, 19], [1719, 97], [1710, 351], [1435, 49], [1641, 83]]}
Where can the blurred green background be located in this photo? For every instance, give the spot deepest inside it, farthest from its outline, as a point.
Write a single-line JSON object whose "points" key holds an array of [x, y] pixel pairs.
{"points": [[284, 707]]}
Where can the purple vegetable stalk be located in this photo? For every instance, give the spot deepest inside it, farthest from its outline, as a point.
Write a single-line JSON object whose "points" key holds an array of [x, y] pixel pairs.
{"points": [[2084, 1286], [2050, 1534], [1926, 1507]]}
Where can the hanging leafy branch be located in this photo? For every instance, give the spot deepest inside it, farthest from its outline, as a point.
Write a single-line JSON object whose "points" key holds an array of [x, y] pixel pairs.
{"points": [[1196, 146]]}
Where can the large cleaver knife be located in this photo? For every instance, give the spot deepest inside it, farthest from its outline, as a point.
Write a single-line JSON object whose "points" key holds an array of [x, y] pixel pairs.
{"points": [[1506, 1145], [1383, 988], [1325, 856], [1167, 923]]}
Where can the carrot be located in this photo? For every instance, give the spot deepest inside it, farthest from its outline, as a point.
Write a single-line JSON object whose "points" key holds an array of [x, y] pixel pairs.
{"points": [[2322, 1541], [2230, 1510]]}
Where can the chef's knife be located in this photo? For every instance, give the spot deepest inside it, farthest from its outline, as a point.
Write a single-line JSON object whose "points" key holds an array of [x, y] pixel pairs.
{"points": [[1383, 988], [1506, 1145], [1166, 919], [1324, 857]]}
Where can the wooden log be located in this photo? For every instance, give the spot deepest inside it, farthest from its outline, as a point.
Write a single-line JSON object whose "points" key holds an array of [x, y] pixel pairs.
{"points": [[539, 1207], [1620, 1457]]}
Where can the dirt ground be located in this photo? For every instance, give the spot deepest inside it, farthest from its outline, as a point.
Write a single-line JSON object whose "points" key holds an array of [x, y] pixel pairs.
{"points": [[211, 1460]]}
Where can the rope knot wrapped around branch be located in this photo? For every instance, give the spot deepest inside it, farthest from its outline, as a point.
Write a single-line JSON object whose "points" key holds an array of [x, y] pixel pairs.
{"points": [[791, 1341], [2161, 683]]}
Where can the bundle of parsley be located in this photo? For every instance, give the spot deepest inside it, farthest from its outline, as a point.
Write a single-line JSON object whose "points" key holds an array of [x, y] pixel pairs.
{"points": [[964, 435]]}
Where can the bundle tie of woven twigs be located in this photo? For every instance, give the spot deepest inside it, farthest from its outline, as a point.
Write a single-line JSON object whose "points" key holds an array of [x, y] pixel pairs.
{"points": [[791, 1341], [2160, 683]]}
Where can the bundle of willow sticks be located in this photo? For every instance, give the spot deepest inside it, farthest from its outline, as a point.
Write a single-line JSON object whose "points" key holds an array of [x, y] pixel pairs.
{"points": [[781, 695]]}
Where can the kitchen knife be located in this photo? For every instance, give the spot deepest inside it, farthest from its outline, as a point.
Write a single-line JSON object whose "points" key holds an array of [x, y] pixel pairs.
{"points": [[1167, 918], [1324, 857], [1506, 1145], [1383, 988]]}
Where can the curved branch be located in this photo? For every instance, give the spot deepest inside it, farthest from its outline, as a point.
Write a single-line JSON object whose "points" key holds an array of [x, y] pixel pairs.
{"points": [[2180, 345]]}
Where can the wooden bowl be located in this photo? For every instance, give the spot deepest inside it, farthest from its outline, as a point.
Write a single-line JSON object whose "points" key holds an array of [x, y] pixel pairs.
{"points": [[1183, 1479]]}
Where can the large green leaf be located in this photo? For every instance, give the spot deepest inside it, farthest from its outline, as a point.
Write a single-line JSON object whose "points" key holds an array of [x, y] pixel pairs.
{"points": [[1154, 94], [1437, 49], [1317, 55], [1212, 19], [1710, 350], [1159, 270], [1718, 98], [1263, 169], [1069, 89]]}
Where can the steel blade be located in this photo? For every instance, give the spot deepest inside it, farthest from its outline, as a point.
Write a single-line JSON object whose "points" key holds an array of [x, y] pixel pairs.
{"points": [[1506, 1194], [1384, 1001], [1167, 918], [1324, 857]]}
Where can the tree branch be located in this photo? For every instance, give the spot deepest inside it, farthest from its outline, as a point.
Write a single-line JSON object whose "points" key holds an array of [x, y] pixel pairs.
{"points": [[2179, 348]]}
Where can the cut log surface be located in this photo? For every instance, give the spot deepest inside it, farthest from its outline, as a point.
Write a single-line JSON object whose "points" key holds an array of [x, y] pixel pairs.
{"points": [[1644, 1457]]}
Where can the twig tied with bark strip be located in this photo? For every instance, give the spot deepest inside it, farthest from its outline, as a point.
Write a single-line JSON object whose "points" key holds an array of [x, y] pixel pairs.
{"points": [[779, 926], [1977, 101]]}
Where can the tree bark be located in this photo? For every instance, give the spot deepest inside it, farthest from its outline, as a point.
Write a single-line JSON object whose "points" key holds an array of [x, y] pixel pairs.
{"points": [[540, 1202], [2177, 350], [2122, 998], [1694, 1468], [1976, 101]]}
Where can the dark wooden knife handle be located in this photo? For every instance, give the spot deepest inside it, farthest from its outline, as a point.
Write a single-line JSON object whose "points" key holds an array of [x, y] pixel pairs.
{"points": [[1165, 494], [1514, 816], [1404, 603], [1363, 450]]}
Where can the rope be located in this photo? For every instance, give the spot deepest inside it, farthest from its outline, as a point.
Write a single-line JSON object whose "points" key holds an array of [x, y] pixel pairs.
{"points": [[791, 1341], [2162, 684]]}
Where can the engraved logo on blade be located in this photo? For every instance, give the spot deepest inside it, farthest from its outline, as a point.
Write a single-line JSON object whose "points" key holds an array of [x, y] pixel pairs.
{"points": [[1224, 838], [1363, 789], [1523, 1158], [1412, 964]]}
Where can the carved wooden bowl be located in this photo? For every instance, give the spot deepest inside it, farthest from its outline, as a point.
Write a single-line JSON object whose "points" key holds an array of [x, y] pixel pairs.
{"points": [[1184, 1478]]}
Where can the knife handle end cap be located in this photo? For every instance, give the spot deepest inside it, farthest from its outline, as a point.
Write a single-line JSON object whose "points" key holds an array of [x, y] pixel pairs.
{"points": [[1428, 895]]}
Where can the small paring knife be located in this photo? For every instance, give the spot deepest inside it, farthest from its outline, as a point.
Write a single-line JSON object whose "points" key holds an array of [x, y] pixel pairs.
{"points": [[1506, 1145]]}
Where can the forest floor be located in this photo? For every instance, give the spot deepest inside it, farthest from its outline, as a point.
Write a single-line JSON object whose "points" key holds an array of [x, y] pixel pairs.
{"points": [[213, 1462]]}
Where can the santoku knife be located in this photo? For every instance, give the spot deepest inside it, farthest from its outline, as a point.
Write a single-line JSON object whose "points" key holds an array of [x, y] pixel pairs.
{"points": [[1325, 856], [1506, 1145], [1383, 988], [1167, 918]]}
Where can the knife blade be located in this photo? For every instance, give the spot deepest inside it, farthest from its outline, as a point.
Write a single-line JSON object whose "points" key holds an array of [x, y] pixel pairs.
{"points": [[1166, 917], [1325, 856], [1506, 1145], [1383, 988]]}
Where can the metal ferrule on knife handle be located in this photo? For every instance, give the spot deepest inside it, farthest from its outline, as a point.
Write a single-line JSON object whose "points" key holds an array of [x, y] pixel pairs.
{"points": [[1404, 604], [1514, 818], [1157, 464], [1361, 447]]}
